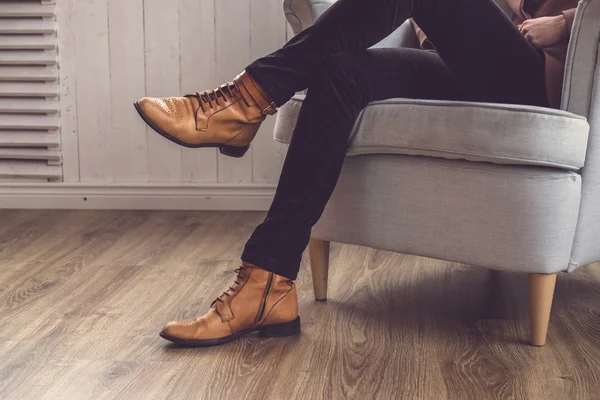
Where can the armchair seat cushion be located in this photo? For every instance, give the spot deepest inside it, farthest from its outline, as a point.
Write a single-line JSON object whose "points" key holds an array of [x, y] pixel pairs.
{"points": [[480, 132]]}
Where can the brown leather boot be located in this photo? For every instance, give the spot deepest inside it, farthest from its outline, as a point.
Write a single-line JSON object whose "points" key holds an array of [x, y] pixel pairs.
{"points": [[227, 117], [259, 301]]}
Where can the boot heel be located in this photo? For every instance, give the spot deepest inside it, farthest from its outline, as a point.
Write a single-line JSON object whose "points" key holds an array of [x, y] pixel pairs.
{"points": [[233, 151], [280, 330]]}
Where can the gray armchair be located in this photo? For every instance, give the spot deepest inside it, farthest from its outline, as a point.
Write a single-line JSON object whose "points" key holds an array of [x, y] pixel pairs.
{"points": [[505, 187]]}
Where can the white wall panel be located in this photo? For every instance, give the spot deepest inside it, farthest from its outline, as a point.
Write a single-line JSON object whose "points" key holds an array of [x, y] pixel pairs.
{"points": [[198, 65], [92, 75], [68, 89], [162, 80], [233, 55], [127, 84]]}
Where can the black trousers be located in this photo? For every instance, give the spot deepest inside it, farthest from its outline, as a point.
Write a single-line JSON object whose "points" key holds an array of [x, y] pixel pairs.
{"points": [[481, 56]]}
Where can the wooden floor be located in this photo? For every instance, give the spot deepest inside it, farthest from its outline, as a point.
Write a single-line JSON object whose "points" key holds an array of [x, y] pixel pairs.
{"points": [[84, 294]]}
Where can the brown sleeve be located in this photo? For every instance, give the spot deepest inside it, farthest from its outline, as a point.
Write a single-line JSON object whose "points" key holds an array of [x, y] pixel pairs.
{"points": [[570, 16], [423, 41]]}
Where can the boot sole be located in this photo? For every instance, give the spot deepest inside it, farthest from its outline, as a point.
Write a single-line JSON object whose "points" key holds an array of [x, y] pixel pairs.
{"points": [[231, 151], [278, 330]]}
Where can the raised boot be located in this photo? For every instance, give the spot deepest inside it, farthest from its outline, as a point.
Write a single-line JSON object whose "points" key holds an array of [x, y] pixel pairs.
{"points": [[259, 301], [227, 117]]}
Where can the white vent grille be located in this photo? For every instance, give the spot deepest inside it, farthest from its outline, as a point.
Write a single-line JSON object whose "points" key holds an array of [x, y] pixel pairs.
{"points": [[29, 107]]}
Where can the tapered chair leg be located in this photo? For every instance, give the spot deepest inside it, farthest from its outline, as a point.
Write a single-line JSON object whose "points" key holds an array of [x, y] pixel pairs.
{"points": [[318, 251], [541, 293]]}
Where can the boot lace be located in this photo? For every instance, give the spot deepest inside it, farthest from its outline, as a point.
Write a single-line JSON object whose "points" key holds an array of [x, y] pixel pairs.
{"points": [[211, 98], [231, 290]]}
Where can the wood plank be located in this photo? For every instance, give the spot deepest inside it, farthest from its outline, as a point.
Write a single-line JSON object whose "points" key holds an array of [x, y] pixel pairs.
{"points": [[162, 80], [29, 74], [233, 55], [267, 154], [27, 42], [29, 106], [84, 294], [29, 139], [9, 57], [92, 77], [28, 89], [29, 169], [29, 154], [128, 84], [23, 26], [197, 68], [14, 9], [15, 121], [68, 91]]}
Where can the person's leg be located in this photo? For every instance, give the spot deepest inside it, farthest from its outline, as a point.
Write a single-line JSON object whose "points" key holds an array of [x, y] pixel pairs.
{"points": [[339, 90], [263, 297], [485, 52]]}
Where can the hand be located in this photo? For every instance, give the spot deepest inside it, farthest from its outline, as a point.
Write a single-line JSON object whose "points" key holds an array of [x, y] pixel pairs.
{"points": [[545, 32]]}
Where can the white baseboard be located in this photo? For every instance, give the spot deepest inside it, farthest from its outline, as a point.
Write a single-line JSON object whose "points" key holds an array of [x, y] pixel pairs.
{"points": [[252, 197]]}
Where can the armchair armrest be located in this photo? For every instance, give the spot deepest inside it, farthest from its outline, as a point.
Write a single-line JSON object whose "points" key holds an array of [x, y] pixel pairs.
{"points": [[301, 14]]}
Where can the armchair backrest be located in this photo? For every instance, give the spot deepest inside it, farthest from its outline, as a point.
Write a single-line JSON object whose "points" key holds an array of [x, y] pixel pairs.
{"points": [[581, 95]]}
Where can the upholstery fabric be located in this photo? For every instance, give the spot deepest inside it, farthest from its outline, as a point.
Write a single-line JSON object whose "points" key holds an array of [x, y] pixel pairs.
{"points": [[498, 133], [501, 217], [582, 96], [404, 36]]}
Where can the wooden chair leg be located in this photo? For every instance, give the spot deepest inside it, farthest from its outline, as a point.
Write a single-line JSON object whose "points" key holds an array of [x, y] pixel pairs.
{"points": [[541, 293], [318, 251]]}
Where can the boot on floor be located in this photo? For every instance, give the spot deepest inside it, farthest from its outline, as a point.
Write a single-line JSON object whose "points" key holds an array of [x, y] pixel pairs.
{"points": [[259, 301]]}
